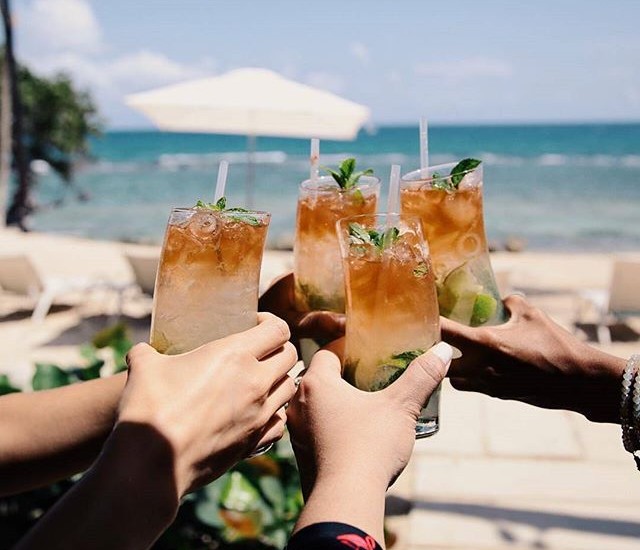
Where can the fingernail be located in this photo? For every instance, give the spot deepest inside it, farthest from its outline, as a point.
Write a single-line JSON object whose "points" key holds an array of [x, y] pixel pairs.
{"points": [[443, 351], [456, 352]]}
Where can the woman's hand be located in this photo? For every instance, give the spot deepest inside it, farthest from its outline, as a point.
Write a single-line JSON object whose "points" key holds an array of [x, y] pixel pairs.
{"points": [[530, 358], [215, 404], [323, 326], [183, 420], [351, 445]]}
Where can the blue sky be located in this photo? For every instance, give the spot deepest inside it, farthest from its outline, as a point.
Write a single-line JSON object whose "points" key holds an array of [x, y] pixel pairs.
{"points": [[455, 61]]}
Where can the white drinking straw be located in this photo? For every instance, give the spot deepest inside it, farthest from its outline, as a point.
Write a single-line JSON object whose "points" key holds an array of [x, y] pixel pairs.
{"points": [[424, 147], [222, 180], [393, 200], [314, 160]]}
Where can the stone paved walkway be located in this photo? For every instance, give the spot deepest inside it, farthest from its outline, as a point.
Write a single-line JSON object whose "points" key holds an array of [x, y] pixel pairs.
{"points": [[504, 475]]}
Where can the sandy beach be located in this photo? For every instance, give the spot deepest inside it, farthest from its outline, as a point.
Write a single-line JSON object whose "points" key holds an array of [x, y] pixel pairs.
{"points": [[499, 475]]}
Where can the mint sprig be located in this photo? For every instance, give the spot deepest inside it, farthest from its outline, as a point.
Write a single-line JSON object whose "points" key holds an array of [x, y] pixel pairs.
{"points": [[360, 236], [407, 356], [451, 182], [346, 176], [238, 214], [218, 206], [459, 170]]}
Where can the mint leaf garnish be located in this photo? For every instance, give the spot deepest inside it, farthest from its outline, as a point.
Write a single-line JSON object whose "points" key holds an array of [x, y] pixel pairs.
{"points": [[219, 206], [442, 183], [407, 356], [242, 215], [389, 237], [360, 236], [450, 183], [459, 170], [237, 213], [346, 177]]}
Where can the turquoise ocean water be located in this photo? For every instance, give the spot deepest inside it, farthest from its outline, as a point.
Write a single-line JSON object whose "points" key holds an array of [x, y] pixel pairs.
{"points": [[559, 187]]}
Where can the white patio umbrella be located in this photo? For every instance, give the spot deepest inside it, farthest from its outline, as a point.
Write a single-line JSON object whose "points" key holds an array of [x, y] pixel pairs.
{"points": [[251, 102]]}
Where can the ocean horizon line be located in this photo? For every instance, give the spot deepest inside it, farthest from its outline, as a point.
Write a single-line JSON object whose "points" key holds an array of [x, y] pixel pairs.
{"points": [[404, 125]]}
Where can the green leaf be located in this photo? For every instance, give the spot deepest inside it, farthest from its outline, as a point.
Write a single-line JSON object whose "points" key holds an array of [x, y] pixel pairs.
{"points": [[272, 488], [207, 507], [48, 376], [241, 215], [358, 234], [90, 372], [110, 335], [5, 385], [407, 356], [442, 183], [221, 204], [390, 236], [459, 170], [239, 494], [346, 178], [347, 167], [358, 197]]}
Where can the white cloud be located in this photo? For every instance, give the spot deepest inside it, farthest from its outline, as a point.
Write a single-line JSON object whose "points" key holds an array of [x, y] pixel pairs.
{"points": [[145, 69], [326, 81], [65, 36], [59, 26], [462, 69], [360, 52]]}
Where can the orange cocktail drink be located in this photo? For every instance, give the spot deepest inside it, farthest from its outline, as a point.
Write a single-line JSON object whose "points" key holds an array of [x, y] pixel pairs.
{"points": [[392, 309], [319, 282], [448, 199], [208, 277]]}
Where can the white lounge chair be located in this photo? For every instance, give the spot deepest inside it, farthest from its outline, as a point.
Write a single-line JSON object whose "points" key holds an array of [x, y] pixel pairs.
{"points": [[621, 300], [19, 275], [144, 267]]}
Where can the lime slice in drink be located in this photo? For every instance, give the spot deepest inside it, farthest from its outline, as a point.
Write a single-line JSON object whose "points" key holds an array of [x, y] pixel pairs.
{"points": [[484, 308], [457, 295]]}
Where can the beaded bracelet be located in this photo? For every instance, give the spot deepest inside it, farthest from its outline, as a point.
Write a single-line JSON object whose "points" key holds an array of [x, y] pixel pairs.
{"points": [[630, 408]]}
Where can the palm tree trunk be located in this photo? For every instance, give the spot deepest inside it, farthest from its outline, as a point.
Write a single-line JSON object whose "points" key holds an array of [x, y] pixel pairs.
{"points": [[5, 139], [22, 203]]}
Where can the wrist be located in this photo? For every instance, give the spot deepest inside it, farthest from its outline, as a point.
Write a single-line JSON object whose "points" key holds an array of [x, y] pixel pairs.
{"points": [[598, 395], [139, 463], [353, 474]]}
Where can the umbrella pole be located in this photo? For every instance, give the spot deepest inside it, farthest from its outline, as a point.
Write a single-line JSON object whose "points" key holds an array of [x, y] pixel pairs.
{"points": [[251, 171]]}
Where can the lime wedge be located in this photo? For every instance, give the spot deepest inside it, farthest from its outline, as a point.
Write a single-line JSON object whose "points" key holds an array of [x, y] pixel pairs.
{"points": [[459, 280], [457, 295], [484, 308], [463, 310]]}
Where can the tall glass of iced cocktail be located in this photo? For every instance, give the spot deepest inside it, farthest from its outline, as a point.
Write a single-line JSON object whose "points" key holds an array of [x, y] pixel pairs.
{"points": [[391, 304], [319, 282], [208, 277], [448, 199]]}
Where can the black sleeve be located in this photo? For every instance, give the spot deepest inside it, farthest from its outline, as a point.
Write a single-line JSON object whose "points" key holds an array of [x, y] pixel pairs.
{"points": [[325, 536]]}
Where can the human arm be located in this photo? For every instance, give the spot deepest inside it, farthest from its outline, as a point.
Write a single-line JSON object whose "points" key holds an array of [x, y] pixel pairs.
{"points": [[279, 299], [182, 421], [531, 358], [49, 435], [351, 445]]}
